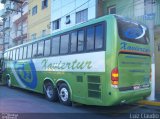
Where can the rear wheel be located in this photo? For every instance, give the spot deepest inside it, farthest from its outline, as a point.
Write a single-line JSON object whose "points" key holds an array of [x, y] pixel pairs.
{"points": [[50, 92], [64, 94]]}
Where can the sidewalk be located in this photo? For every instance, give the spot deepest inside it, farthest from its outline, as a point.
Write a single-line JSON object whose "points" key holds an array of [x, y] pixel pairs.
{"points": [[151, 103]]}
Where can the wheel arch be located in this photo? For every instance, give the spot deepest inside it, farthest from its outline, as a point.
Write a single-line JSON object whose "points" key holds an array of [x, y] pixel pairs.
{"points": [[47, 79], [60, 81]]}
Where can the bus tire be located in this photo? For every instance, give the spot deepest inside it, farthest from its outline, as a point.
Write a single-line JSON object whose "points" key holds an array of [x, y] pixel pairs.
{"points": [[64, 94], [50, 92], [8, 79]]}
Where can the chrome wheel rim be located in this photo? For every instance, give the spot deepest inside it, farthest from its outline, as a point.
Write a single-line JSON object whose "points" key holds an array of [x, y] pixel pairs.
{"points": [[49, 91], [64, 94]]}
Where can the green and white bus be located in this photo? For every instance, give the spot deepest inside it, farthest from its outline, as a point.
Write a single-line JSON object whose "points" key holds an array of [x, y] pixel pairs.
{"points": [[105, 61]]}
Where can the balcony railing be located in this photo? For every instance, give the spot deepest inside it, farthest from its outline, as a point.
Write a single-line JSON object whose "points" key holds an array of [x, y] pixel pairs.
{"points": [[17, 35], [18, 16]]}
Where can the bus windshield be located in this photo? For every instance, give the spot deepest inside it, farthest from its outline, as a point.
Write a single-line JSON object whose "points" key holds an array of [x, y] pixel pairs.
{"points": [[132, 31]]}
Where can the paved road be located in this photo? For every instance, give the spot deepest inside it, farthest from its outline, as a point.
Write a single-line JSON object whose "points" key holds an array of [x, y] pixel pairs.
{"points": [[21, 101]]}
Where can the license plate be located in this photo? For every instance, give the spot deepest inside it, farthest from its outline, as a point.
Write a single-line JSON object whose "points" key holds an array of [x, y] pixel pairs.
{"points": [[136, 87]]}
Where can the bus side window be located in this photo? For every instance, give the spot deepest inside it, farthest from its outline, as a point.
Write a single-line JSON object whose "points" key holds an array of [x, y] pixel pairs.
{"points": [[14, 54], [40, 49], [17, 54], [64, 46], [73, 42], [21, 53], [10, 56], [90, 38], [25, 52], [99, 37], [29, 52], [81, 41], [55, 45], [47, 47], [34, 52]]}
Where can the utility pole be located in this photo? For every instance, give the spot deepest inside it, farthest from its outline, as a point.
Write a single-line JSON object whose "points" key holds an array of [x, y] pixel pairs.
{"points": [[150, 23]]}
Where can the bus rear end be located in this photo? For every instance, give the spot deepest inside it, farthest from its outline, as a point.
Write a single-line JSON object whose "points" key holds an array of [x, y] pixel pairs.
{"points": [[132, 74]]}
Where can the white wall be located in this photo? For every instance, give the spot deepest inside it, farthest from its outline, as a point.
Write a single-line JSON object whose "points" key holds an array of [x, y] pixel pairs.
{"points": [[61, 8]]}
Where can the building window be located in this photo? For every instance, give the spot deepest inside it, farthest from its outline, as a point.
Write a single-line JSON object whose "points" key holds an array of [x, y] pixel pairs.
{"points": [[34, 10], [68, 21], [112, 9], [56, 24], [33, 36], [44, 4], [43, 32], [82, 16]]}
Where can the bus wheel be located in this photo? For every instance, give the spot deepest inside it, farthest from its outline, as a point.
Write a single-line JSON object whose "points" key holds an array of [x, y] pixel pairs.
{"points": [[50, 92], [64, 94], [8, 81]]}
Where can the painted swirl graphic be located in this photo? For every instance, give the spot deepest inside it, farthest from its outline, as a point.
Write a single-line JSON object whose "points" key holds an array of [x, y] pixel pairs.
{"points": [[26, 73]]}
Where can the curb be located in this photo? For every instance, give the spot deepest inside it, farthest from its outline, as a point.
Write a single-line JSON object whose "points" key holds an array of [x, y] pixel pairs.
{"points": [[150, 103]]}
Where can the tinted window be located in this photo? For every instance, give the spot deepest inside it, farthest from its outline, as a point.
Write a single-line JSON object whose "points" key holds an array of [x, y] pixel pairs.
{"points": [[34, 52], [90, 38], [64, 44], [21, 53], [29, 52], [10, 56], [47, 48], [99, 37], [80, 40], [14, 54], [132, 32], [17, 54], [25, 52], [40, 48], [5, 55], [55, 45], [73, 42]]}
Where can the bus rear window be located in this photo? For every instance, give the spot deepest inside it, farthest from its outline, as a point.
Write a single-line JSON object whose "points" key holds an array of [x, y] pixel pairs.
{"points": [[132, 32]]}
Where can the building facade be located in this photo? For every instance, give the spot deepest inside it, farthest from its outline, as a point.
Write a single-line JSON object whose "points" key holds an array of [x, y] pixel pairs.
{"points": [[14, 16], [19, 21], [67, 13], [39, 18]]}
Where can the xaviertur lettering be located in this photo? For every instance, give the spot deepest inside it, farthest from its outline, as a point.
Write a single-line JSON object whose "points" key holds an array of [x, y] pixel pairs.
{"points": [[75, 64], [126, 46]]}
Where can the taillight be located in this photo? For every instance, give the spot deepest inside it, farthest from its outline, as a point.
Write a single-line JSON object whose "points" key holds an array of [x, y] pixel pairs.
{"points": [[115, 77]]}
